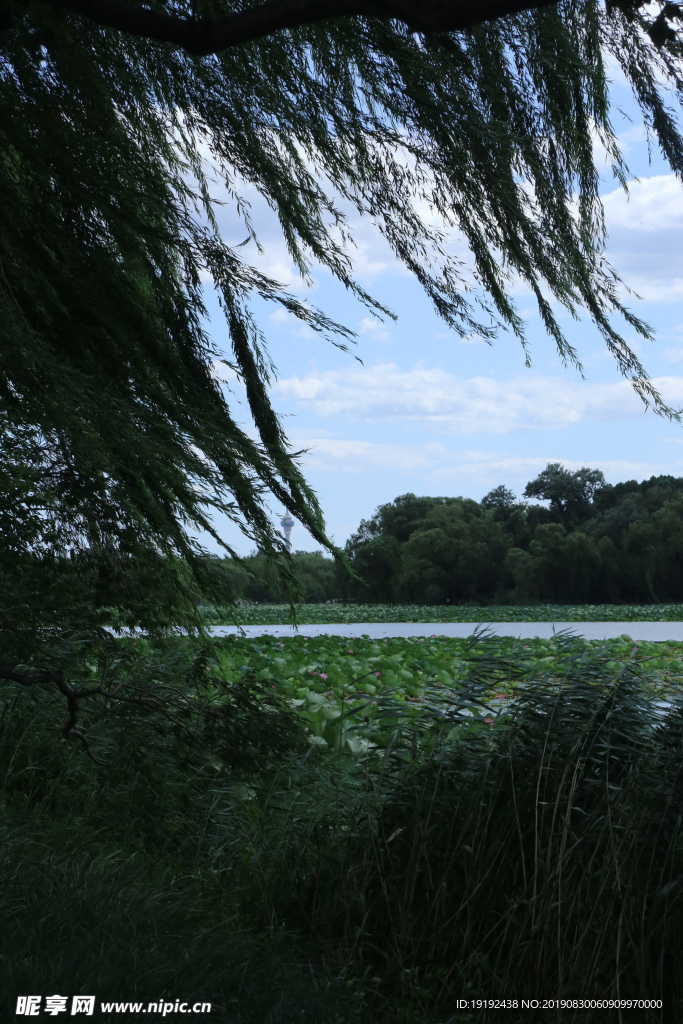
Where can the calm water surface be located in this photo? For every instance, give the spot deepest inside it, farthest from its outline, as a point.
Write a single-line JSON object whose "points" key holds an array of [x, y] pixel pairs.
{"points": [[545, 630]]}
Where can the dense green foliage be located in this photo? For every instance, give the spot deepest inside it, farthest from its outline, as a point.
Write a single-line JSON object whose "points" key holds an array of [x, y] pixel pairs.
{"points": [[256, 581], [58, 583], [593, 543], [487, 837]]}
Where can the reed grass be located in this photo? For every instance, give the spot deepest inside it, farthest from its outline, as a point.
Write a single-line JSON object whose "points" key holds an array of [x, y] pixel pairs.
{"points": [[540, 855]]}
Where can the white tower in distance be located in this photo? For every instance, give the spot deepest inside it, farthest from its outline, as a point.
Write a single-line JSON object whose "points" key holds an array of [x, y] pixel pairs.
{"points": [[287, 523]]}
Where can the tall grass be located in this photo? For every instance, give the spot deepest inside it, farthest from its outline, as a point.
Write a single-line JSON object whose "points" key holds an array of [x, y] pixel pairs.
{"points": [[540, 855], [111, 878]]}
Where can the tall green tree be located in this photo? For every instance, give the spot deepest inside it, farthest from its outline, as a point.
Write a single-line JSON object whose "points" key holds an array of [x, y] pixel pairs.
{"points": [[489, 114], [597, 542], [570, 493], [375, 548], [456, 555]]}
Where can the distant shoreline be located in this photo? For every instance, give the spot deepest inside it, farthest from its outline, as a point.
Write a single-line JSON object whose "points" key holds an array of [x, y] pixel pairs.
{"points": [[351, 614]]}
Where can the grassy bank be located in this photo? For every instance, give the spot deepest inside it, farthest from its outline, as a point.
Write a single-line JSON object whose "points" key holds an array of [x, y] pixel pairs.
{"points": [[483, 819], [276, 614]]}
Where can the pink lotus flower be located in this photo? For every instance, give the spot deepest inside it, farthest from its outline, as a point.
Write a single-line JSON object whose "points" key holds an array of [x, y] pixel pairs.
{"points": [[377, 675], [489, 721], [323, 675], [350, 651], [314, 672], [500, 696]]}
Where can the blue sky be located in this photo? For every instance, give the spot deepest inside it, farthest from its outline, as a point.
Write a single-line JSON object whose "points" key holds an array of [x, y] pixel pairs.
{"points": [[429, 413]]}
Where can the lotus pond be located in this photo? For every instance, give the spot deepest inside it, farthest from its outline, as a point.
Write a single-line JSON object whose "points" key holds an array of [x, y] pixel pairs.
{"points": [[276, 614], [356, 696]]}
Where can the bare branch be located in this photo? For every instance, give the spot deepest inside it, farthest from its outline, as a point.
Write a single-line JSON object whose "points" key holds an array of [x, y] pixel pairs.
{"points": [[30, 677], [90, 693], [86, 746], [71, 701], [211, 35], [42, 677]]}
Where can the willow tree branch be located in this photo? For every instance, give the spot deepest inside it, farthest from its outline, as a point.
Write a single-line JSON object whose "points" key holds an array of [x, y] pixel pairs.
{"points": [[211, 35]]}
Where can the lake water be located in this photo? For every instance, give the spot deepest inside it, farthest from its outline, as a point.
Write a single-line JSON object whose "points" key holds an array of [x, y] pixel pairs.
{"points": [[378, 630]]}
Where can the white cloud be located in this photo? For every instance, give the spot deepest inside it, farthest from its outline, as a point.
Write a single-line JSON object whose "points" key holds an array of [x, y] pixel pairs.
{"points": [[282, 317], [435, 468], [436, 400], [371, 255], [489, 466], [375, 329], [222, 372], [634, 135], [653, 204], [644, 230], [353, 456]]}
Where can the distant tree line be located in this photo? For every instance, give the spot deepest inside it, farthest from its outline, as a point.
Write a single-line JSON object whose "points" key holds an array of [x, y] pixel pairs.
{"points": [[589, 542], [255, 578]]}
